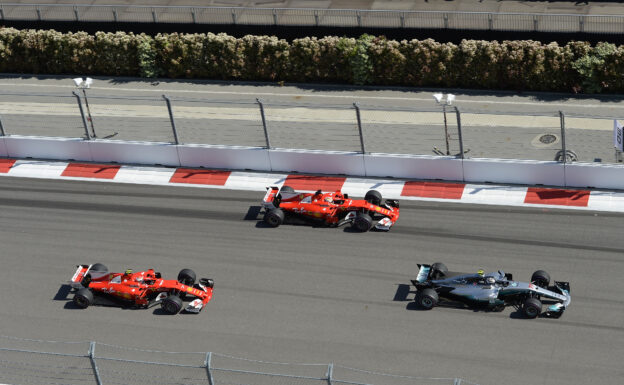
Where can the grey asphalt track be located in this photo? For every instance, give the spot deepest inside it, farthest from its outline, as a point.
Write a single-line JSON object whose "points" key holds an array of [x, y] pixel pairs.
{"points": [[316, 295]]}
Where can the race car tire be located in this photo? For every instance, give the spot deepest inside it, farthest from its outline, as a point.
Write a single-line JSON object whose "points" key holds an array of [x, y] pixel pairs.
{"points": [[532, 307], [83, 298], [187, 277], [540, 278], [439, 270], [373, 197], [99, 267], [274, 217], [287, 189], [362, 222], [172, 304], [427, 298]]}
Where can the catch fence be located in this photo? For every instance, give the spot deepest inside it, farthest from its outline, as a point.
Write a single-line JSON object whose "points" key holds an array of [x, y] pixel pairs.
{"points": [[442, 130], [29, 361], [309, 17]]}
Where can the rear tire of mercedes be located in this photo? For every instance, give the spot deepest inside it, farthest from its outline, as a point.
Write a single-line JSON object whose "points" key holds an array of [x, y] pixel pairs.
{"points": [[274, 217], [540, 278], [532, 308], [362, 222], [427, 298], [439, 270], [187, 277], [373, 197], [83, 298], [172, 304]]}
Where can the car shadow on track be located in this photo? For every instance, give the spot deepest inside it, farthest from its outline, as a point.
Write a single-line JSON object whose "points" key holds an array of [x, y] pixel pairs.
{"points": [[62, 293]]}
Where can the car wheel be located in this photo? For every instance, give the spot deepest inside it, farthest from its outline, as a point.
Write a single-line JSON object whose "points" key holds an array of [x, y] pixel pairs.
{"points": [[187, 277], [362, 222], [427, 298], [274, 217], [439, 270], [83, 298], [287, 189], [373, 197], [99, 267], [540, 278], [172, 304], [532, 307]]}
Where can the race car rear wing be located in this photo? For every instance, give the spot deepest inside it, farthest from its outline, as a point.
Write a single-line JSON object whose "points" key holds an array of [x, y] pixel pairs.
{"points": [[81, 271], [269, 197], [423, 275]]}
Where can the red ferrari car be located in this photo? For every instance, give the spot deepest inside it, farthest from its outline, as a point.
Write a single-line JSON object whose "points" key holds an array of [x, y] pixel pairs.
{"points": [[143, 289], [330, 208]]}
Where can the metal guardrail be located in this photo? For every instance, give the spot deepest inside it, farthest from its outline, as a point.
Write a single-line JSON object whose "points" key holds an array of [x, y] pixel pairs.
{"points": [[309, 17], [87, 362], [441, 130]]}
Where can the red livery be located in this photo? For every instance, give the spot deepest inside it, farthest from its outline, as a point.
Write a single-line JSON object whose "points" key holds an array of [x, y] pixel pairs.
{"points": [[143, 289], [330, 208]]}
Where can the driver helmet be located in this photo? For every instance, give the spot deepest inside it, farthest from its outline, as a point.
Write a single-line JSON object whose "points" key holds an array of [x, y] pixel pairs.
{"points": [[490, 280], [481, 272], [128, 272]]}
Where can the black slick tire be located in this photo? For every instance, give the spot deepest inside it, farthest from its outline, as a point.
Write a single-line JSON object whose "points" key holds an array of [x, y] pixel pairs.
{"points": [[172, 304], [362, 222], [439, 270], [532, 307], [427, 298], [187, 277], [287, 189], [83, 298], [540, 278], [274, 217], [373, 197]]}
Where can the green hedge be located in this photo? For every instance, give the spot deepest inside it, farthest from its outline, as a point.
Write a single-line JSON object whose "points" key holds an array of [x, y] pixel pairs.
{"points": [[508, 65]]}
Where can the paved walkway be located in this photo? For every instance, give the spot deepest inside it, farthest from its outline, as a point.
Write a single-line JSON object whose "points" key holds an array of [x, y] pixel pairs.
{"points": [[553, 7]]}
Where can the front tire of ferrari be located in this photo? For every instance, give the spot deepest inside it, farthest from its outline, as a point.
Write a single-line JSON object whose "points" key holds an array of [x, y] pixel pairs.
{"points": [[373, 197], [187, 277], [540, 278], [427, 298], [362, 222], [287, 189], [532, 308], [172, 304], [83, 298], [274, 217]]}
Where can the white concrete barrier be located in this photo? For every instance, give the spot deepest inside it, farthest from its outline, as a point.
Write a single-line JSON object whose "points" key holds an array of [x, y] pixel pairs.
{"points": [[3, 149], [610, 176], [414, 166], [317, 162], [47, 148], [530, 172], [165, 154], [230, 157]]}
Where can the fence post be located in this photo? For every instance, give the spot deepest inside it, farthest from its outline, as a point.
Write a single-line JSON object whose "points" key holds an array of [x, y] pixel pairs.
{"points": [[359, 123], [93, 363], [330, 372], [264, 125], [459, 133], [563, 143], [84, 119], [457, 381], [207, 365], [2, 133], [173, 126]]}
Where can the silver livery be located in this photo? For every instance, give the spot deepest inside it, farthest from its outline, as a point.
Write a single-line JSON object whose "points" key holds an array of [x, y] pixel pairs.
{"points": [[492, 291]]}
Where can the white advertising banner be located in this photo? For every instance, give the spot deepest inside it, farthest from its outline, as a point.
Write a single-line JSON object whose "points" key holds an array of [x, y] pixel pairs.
{"points": [[618, 135]]}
